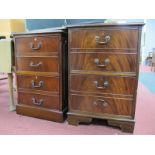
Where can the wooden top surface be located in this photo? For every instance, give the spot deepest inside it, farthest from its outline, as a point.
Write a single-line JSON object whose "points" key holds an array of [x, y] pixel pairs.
{"points": [[63, 28], [105, 25], [41, 31]]}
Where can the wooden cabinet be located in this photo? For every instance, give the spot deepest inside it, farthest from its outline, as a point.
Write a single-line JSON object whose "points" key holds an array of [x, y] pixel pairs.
{"points": [[103, 73], [41, 74]]}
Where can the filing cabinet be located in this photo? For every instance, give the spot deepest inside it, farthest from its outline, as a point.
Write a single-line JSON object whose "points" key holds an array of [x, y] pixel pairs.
{"points": [[103, 73], [41, 74]]}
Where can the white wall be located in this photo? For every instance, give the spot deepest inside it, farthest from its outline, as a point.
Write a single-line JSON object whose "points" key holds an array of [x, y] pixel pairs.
{"points": [[150, 36]]}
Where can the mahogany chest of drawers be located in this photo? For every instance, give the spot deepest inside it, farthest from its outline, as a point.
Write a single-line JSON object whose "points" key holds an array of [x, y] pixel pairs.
{"points": [[41, 74], [103, 73]]}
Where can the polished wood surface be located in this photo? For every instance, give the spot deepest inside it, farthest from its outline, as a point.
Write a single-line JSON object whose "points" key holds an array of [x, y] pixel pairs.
{"points": [[104, 25], [95, 38], [103, 61], [37, 44], [47, 114], [37, 64], [98, 105], [103, 84], [43, 83], [41, 74], [39, 100], [103, 73]]}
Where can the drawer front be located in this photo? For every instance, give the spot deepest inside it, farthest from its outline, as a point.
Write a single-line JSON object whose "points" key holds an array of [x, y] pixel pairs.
{"points": [[104, 38], [38, 83], [100, 105], [44, 64], [103, 62], [103, 84], [37, 100], [37, 44]]}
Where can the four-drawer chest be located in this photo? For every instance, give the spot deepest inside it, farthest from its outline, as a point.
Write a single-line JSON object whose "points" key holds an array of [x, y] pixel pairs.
{"points": [[103, 73], [41, 74], [91, 72]]}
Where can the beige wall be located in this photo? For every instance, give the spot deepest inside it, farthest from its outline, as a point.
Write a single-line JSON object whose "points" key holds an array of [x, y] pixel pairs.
{"points": [[7, 26]]}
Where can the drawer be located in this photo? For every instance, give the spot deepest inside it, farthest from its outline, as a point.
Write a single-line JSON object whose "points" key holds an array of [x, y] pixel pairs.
{"points": [[114, 38], [100, 105], [98, 61], [38, 83], [37, 100], [103, 84], [38, 64], [37, 44]]}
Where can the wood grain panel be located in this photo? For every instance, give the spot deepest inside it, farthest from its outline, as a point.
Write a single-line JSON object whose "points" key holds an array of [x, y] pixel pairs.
{"points": [[107, 84], [46, 43], [99, 105], [50, 102], [119, 38], [48, 64], [105, 61], [42, 113], [43, 83]]}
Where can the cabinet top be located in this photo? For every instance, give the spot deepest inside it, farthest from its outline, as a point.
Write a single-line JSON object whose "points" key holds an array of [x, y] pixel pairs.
{"points": [[64, 28], [105, 25], [41, 31]]}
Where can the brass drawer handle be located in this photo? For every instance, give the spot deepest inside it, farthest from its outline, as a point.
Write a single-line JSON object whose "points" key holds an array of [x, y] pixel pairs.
{"points": [[39, 45], [100, 102], [98, 64], [106, 40], [35, 102], [40, 84], [35, 65], [105, 85]]}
